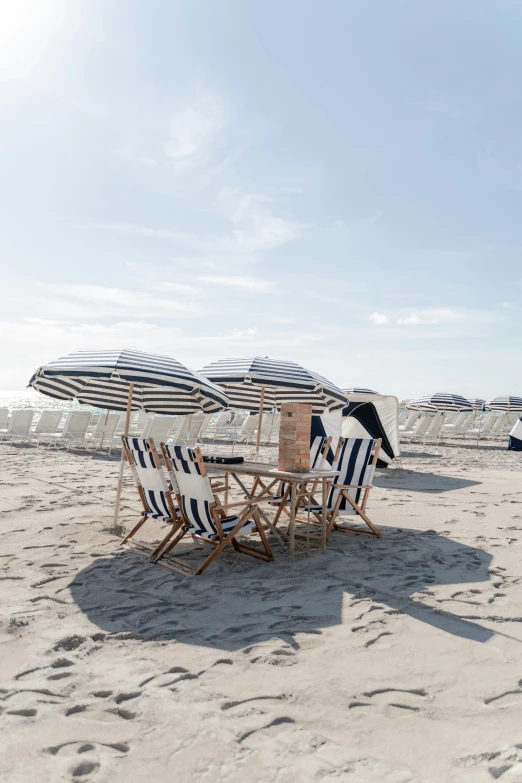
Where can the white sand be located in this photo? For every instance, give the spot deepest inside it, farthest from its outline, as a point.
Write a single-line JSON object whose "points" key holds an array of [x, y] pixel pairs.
{"points": [[389, 661]]}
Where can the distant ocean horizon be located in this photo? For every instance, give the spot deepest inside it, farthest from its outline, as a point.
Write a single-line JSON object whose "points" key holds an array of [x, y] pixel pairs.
{"points": [[30, 398]]}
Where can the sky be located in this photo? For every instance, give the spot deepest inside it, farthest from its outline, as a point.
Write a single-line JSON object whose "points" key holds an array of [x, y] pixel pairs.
{"points": [[336, 183]]}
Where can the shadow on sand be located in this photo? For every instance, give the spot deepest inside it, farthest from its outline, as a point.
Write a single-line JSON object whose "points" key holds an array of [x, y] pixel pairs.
{"points": [[414, 481], [239, 602]]}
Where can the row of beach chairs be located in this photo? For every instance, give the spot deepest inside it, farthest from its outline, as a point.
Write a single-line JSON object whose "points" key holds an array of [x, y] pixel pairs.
{"points": [[85, 429], [415, 426]]}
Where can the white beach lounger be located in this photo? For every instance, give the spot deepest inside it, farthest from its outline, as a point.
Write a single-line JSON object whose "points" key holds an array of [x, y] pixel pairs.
{"points": [[249, 429], [104, 431], [138, 425], [419, 428], [48, 424], [19, 427], [435, 428], [4, 417], [74, 431], [159, 428], [409, 422], [188, 431]]}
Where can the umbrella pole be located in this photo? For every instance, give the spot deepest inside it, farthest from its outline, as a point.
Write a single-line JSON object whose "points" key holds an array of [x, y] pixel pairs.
{"points": [[260, 421], [122, 460], [103, 431]]}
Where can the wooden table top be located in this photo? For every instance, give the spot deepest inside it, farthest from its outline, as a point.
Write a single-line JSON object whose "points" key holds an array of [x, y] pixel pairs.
{"points": [[271, 471]]}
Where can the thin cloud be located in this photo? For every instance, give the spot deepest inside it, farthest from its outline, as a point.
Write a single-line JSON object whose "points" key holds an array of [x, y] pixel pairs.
{"points": [[81, 300], [247, 283], [193, 129], [378, 318]]}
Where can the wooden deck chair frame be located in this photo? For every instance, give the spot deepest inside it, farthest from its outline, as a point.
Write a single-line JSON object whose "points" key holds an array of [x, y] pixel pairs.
{"points": [[303, 494], [360, 509], [218, 542], [175, 520]]}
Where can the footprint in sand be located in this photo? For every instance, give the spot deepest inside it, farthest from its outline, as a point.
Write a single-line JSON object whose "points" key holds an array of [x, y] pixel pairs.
{"points": [[504, 765], [392, 699], [87, 758], [509, 698]]}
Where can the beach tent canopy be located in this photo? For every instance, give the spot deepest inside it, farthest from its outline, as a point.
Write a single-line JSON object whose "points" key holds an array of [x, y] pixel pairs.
{"points": [[359, 390], [103, 379], [440, 402], [515, 436], [505, 403], [327, 425], [272, 382], [374, 416]]}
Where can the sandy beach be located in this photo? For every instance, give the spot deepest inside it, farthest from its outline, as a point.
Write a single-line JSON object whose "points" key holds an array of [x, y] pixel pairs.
{"points": [[379, 661]]}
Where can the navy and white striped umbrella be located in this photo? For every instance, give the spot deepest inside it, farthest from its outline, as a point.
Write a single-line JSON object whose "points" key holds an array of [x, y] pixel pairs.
{"points": [[477, 404], [440, 401], [244, 379], [504, 403], [359, 390], [103, 379]]}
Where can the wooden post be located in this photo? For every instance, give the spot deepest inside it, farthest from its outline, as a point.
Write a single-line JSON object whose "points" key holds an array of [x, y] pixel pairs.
{"points": [[122, 461], [103, 430], [291, 523], [260, 420], [324, 515]]}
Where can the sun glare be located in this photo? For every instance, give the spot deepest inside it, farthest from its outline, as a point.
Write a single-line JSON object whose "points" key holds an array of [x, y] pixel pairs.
{"points": [[30, 32]]}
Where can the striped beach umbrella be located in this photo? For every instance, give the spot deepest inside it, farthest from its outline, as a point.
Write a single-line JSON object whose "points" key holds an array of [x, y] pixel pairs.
{"points": [[359, 390], [261, 384], [477, 404], [103, 379], [505, 403], [440, 402], [128, 380]]}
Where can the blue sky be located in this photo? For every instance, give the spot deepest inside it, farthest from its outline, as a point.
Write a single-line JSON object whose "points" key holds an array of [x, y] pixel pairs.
{"points": [[337, 183]]}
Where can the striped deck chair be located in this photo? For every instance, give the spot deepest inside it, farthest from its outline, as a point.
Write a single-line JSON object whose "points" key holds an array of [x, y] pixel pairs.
{"points": [[320, 458], [348, 496], [153, 489], [203, 515]]}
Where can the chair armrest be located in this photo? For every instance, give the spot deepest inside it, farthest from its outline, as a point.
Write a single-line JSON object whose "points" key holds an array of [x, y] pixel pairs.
{"points": [[231, 505], [353, 486]]}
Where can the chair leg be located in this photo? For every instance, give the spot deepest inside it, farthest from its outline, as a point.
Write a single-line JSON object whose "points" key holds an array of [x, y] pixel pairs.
{"points": [[134, 530], [225, 541], [156, 552], [282, 505], [362, 514]]}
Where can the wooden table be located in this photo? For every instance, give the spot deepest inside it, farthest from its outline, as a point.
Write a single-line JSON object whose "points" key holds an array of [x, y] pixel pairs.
{"points": [[260, 471]]}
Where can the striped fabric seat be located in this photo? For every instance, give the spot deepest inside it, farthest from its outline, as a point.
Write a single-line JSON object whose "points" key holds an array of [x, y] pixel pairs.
{"points": [[147, 476], [349, 490], [203, 515], [355, 471], [197, 497], [153, 489]]}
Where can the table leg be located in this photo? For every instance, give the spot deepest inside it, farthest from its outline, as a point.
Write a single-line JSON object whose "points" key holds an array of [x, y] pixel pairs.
{"points": [[324, 514], [291, 524], [260, 511]]}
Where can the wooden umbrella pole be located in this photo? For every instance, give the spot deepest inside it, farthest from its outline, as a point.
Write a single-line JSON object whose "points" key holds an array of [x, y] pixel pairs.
{"points": [[260, 422], [122, 460], [104, 426]]}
